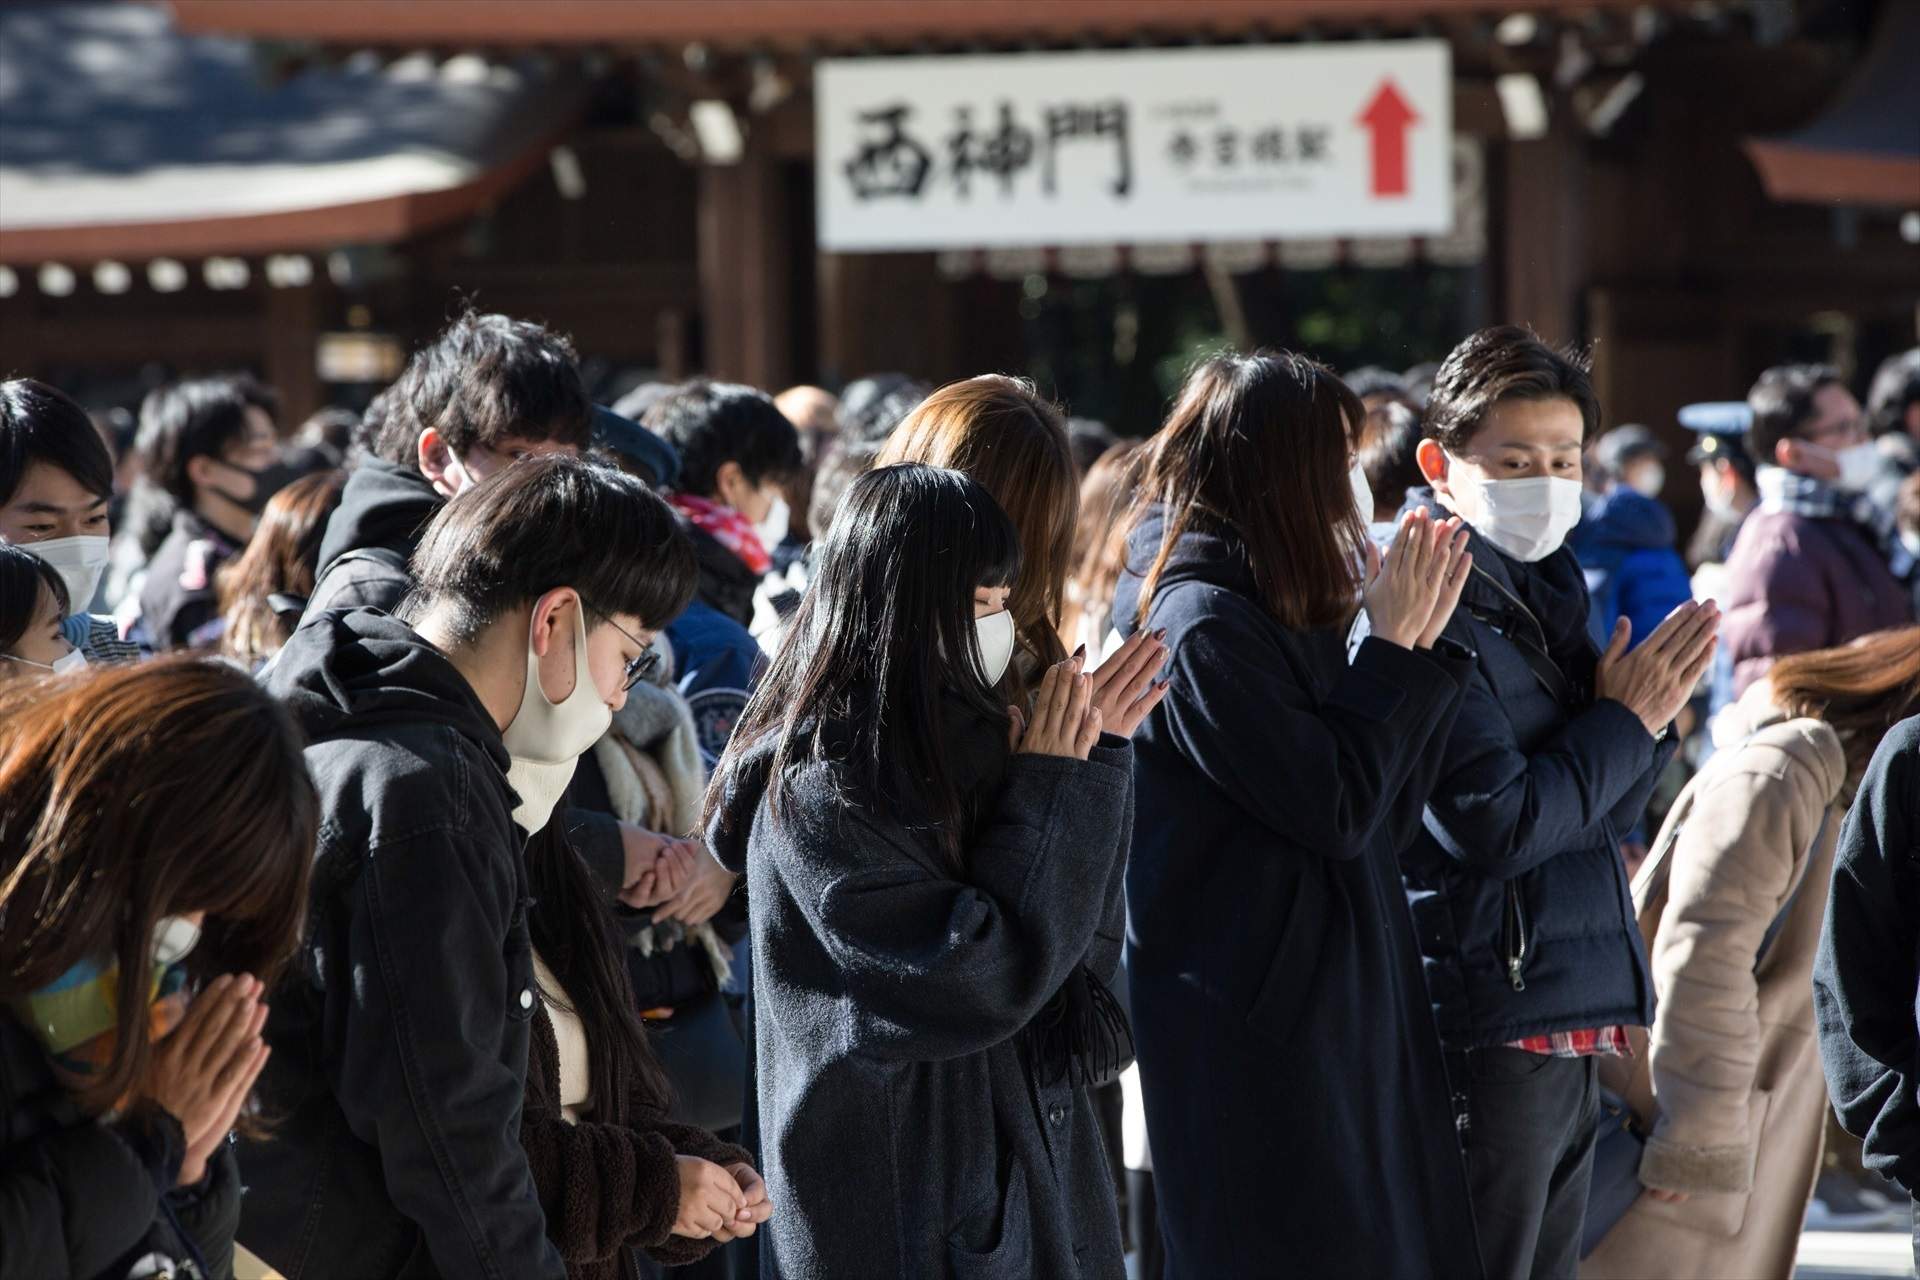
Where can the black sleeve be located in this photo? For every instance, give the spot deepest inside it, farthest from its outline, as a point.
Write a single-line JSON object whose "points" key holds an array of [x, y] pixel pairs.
{"points": [[423, 1075], [1322, 773], [1501, 810], [74, 1200], [1866, 974], [210, 1213]]}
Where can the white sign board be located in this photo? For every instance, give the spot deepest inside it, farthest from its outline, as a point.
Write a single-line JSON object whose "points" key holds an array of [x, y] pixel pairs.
{"points": [[1134, 146]]}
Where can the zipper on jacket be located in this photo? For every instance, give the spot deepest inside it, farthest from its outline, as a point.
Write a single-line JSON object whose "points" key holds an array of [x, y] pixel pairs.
{"points": [[1516, 936]]}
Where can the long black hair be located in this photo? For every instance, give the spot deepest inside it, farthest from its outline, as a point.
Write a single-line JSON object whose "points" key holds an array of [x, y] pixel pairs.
{"points": [[882, 640], [573, 932]]}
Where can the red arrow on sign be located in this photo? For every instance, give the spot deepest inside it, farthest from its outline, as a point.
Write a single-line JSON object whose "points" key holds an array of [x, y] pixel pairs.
{"points": [[1389, 117]]}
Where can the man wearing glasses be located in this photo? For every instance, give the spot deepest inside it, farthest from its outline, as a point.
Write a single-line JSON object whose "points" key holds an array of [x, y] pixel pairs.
{"points": [[439, 741], [1816, 563]]}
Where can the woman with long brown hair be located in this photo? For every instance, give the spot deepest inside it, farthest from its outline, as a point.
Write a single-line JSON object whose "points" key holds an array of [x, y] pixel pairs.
{"points": [[1284, 1036], [1727, 1084], [156, 825], [264, 591], [1100, 544], [1002, 434]]}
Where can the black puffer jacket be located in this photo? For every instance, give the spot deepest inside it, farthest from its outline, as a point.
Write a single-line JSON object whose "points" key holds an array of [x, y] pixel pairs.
{"points": [[1518, 887], [81, 1200], [400, 1042]]}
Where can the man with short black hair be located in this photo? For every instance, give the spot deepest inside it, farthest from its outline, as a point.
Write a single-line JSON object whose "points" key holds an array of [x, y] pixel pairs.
{"points": [[439, 740], [1518, 892], [487, 391], [1812, 567], [56, 487], [210, 444]]}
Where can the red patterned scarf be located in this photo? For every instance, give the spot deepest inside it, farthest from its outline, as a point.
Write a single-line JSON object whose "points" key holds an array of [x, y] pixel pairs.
{"points": [[728, 528]]}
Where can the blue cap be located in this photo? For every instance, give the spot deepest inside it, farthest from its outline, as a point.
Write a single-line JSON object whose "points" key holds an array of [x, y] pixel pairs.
{"points": [[1717, 417], [635, 443]]}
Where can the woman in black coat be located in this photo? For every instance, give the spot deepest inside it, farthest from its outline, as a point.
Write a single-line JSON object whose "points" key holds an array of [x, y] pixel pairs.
{"points": [[1295, 1091], [934, 896]]}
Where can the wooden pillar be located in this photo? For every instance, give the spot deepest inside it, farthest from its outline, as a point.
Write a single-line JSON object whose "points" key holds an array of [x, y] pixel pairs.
{"points": [[292, 332], [1545, 232], [744, 291]]}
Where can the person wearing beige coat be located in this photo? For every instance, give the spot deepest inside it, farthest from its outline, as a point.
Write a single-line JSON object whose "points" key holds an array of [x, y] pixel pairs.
{"points": [[1727, 1082]]}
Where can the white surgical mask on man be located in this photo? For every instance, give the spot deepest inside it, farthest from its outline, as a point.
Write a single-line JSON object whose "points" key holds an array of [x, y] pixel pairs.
{"points": [[546, 739], [995, 634], [1647, 479], [1859, 466], [772, 527], [79, 561], [1528, 519]]}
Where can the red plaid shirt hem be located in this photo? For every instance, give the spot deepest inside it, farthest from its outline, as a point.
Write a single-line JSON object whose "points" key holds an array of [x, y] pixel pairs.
{"points": [[1605, 1042]]}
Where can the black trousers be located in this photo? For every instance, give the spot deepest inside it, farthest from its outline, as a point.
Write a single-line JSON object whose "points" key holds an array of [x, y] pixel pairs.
{"points": [[1529, 1146]]}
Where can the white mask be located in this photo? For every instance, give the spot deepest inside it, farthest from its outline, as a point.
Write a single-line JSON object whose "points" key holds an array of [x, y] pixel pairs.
{"points": [[1528, 519], [79, 561], [772, 528], [1910, 539], [546, 739], [1859, 466], [174, 938], [1719, 500], [1648, 480], [995, 633], [72, 660], [1362, 492]]}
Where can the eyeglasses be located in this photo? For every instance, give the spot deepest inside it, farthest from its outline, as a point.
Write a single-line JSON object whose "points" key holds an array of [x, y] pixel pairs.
{"points": [[639, 668]]}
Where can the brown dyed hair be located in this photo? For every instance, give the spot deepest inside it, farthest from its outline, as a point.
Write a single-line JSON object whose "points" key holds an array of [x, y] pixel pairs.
{"points": [[280, 559], [1012, 441], [1505, 362], [1100, 540], [134, 793], [1262, 444], [1861, 689]]}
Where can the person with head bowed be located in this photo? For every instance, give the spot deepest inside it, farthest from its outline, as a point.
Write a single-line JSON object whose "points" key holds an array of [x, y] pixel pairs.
{"points": [[156, 828], [1516, 880], [1296, 1101], [56, 486], [934, 890], [438, 740], [1726, 1085], [264, 591]]}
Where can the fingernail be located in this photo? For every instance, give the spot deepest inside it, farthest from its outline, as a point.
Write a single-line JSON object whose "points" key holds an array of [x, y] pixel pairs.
{"points": [[1081, 652], [1161, 634]]}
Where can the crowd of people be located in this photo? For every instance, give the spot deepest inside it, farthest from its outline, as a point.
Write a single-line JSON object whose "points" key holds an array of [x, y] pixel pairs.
{"points": [[911, 832]]}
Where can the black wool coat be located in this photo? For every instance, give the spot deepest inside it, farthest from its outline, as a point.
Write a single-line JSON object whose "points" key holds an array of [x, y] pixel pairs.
{"points": [[1867, 970], [903, 1129], [1295, 1090]]}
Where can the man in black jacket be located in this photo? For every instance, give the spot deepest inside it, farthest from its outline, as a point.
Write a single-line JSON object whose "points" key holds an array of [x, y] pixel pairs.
{"points": [[488, 391], [436, 744], [1519, 893], [1867, 971]]}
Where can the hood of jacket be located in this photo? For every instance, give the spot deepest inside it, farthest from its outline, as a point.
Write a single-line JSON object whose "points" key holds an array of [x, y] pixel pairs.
{"points": [[1624, 520], [382, 505], [348, 672], [1207, 551]]}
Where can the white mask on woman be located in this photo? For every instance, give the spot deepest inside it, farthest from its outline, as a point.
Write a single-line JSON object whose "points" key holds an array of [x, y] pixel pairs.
{"points": [[71, 660], [546, 739], [995, 633], [1528, 519], [79, 561], [174, 938], [1362, 491]]}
